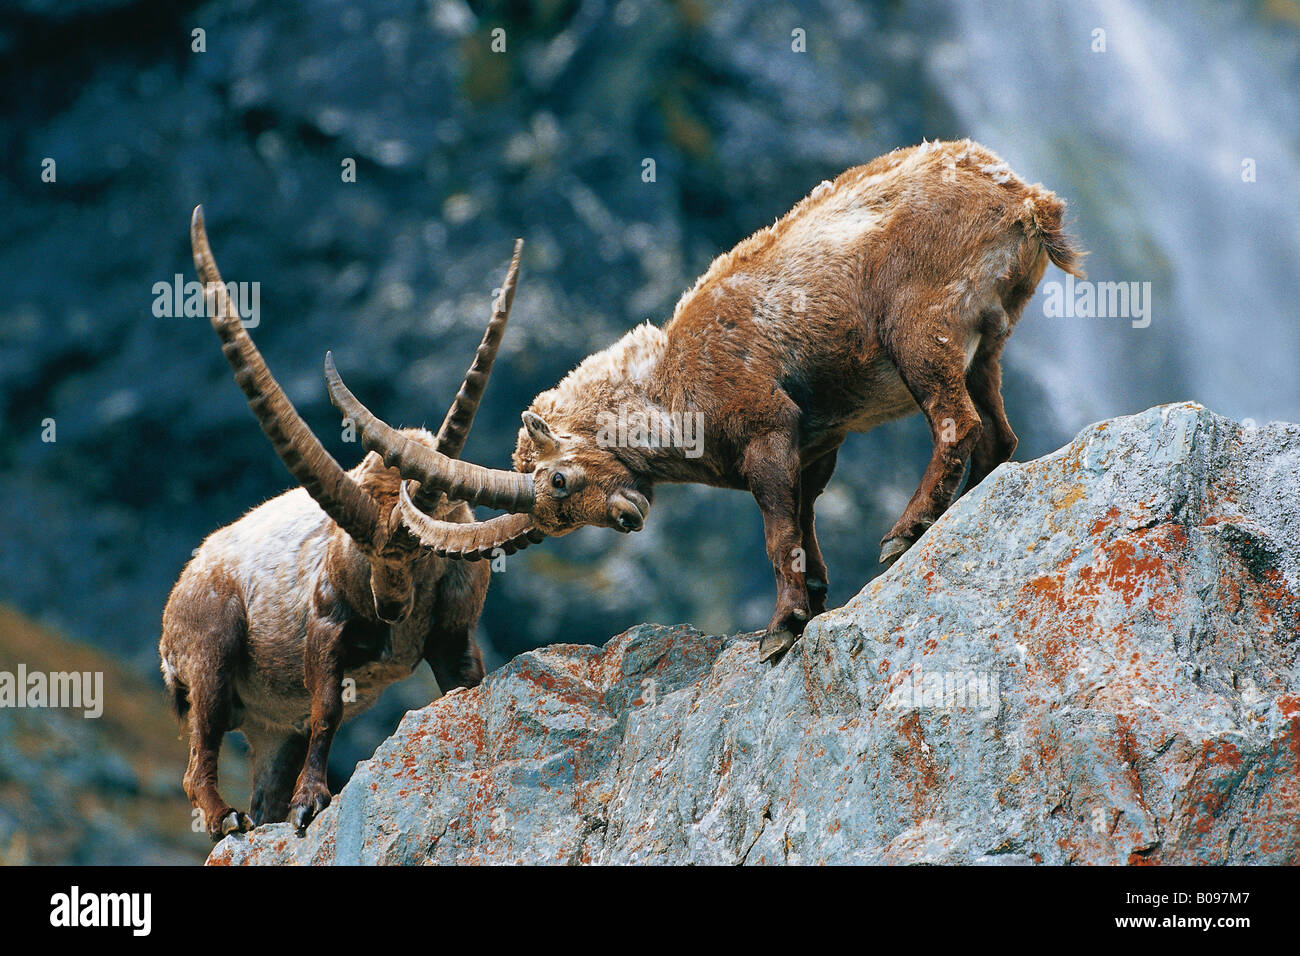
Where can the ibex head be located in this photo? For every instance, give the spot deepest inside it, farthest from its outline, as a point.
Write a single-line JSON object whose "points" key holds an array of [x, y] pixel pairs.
{"points": [[576, 481], [363, 506]]}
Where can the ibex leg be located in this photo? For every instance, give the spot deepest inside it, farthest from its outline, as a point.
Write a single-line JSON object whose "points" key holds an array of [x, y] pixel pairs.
{"points": [[215, 629], [936, 377], [771, 466], [997, 441], [812, 483], [324, 674]]}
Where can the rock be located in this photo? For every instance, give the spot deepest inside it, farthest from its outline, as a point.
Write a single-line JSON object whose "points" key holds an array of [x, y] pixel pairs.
{"points": [[1091, 658]]}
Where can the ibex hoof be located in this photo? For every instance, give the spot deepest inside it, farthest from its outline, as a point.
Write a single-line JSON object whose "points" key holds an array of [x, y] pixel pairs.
{"points": [[232, 822], [301, 814], [893, 550], [775, 644]]}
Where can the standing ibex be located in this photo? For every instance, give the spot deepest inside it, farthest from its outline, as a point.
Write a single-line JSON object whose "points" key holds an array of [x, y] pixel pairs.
{"points": [[888, 291], [317, 586]]}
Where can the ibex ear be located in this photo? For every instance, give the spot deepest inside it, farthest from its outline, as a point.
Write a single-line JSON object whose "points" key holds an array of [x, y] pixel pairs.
{"points": [[541, 434]]}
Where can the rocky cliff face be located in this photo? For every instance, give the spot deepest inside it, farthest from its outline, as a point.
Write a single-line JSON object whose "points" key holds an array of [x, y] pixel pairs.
{"points": [[1092, 658]]}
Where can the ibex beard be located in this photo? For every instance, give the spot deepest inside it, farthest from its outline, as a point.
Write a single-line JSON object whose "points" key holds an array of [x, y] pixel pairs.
{"points": [[889, 291], [299, 614]]}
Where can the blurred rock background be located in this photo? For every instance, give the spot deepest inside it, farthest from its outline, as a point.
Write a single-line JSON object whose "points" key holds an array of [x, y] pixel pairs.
{"points": [[458, 149]]}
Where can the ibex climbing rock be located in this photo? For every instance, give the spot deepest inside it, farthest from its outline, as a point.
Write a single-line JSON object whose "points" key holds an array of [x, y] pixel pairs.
{"points": [[888, 291], [321, 585]]}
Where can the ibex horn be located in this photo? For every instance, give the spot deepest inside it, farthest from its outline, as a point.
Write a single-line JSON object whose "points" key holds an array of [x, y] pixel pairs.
{"points": [[460, 417], [307, 460], [505, 490], [469, 540]]}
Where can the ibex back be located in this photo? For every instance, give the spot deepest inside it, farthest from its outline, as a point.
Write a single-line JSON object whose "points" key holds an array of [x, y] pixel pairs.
{"points": [[888, 291]]}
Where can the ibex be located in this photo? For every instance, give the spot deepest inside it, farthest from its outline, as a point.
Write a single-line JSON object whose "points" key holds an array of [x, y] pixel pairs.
{"points": [[890, 290], [322, 584]]}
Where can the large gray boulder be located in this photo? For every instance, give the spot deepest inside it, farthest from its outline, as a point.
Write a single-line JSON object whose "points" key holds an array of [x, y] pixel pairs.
{"points": [[1091, 658]]}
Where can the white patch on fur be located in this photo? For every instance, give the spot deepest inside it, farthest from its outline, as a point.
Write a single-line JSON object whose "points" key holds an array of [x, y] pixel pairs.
{"points": [[961, 289], [271, 546], [772, 308], [996, 261], [840, 223], [998, 172]]}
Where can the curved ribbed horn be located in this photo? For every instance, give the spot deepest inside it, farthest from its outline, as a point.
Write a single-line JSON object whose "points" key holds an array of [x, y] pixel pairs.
{"points": [[469, 540], [307, 460], [506, 490], [455, 427], [460, 417]]}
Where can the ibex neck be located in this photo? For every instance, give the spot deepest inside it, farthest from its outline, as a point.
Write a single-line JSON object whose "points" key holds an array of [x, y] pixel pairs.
{"points": [[655, 428]]}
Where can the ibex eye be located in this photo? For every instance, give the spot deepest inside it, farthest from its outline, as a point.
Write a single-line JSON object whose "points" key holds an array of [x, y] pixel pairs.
{"points": [[557, 481]]}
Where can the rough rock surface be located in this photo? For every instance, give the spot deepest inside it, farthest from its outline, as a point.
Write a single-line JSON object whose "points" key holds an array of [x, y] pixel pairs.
{"points": [[1092, 658]]}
